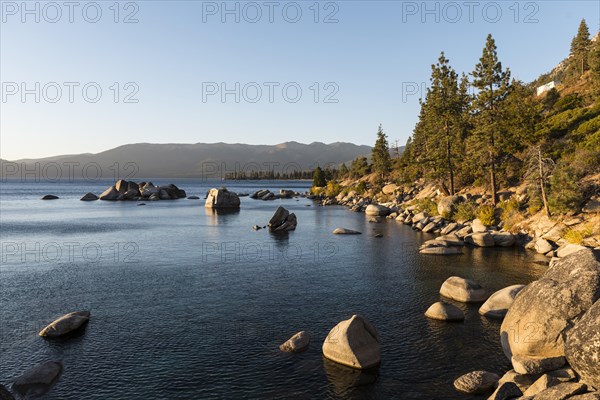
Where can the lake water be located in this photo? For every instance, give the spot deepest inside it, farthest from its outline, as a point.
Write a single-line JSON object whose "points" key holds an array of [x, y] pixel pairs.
{"points": [[191, 304]]}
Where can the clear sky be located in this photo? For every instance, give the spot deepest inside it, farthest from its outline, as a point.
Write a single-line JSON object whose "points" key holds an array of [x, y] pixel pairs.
{"points": [[356, 63]]}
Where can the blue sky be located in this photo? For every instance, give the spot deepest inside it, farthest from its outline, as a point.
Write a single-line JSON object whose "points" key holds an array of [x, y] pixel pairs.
{"points": [[175, 60]]}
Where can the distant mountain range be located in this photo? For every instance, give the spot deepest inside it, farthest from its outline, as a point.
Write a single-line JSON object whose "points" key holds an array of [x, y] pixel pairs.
{"points": [[200, 160]]}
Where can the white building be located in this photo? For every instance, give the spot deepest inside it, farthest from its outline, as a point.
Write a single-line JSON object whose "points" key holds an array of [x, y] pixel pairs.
{"points": [[546, 87]]}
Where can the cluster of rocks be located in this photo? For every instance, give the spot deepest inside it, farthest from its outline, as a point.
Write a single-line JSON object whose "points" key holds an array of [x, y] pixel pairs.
{"points": [[353, 342], [467, 291], [129, 190], [40, 378], [282, 221], [550, 334], [265, 194], [547, 238]]}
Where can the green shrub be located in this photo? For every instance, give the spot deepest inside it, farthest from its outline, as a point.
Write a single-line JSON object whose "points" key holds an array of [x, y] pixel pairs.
{"points": [[565, 191], [332, 189], [577, 236], [427, 205], [511, 215], [510, 206], [464, 211], [486, 214]]}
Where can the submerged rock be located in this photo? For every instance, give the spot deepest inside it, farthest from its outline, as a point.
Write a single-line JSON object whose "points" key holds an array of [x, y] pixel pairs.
{"points": [[38, 380], [50, 197], [344, 231], [498, 304], [65, 324], [89, 196], [463, 290], [5, 394], [296, 343], [354, 343], [444, 312], [441, 250]]}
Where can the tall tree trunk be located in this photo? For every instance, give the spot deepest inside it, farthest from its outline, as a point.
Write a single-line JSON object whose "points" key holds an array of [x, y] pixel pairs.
{"points": [[493, 180], [493, 171], [449, 159], [542, 182]]}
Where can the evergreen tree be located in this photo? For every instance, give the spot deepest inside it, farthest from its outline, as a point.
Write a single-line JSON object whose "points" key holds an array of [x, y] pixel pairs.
{"points": [[343, 171], [382, 162], [580, 46], [319, 178], [594, 61], [445, 104], [359, 167], [493, 84]]}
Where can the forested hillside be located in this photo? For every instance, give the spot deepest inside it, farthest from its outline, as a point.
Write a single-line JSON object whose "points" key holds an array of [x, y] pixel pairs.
{"points": [[482, 128]]}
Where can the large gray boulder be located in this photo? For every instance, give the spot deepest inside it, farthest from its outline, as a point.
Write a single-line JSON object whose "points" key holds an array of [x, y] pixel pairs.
{"points": [[463, 290], [543, 312], [503, 239], [65, 324], [480, 239], [447, 205], [478, 226], [543, 246], [149, 189], [569, 249], [38, 380], [582, 346], [377, 210], [353, 342], [222, 198], [122, 185], [498, 304], [526, 365], [110, 194], [282, 221], [561, 392]]}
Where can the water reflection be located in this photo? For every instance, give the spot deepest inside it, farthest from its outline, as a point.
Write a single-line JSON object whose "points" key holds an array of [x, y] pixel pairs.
{"points": [[343, 379], [213, 214]]}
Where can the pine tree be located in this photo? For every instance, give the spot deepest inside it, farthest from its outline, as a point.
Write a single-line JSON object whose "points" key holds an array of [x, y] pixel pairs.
{"points": [[580, 47], [594, 60], [445, 103], [382, 162], [343, 172], [493, 84], [319, 178]]}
